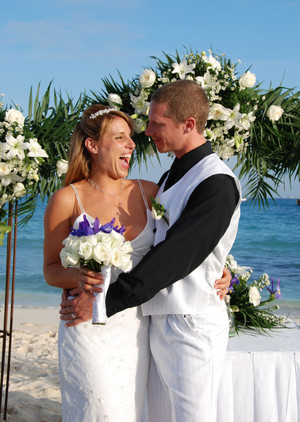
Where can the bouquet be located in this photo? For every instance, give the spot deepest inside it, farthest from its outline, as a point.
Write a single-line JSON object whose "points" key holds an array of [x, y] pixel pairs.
{"points": [[97, 248], [249, 311]]}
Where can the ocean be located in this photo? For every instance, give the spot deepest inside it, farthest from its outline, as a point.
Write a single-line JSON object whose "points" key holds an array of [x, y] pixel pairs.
{"points": [[268, 241]]}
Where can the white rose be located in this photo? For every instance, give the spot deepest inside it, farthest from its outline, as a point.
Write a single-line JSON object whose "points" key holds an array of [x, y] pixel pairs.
{"points": [[85, 250], [147, 78], [155, 215], [218, 112], [68, 259], [19, 189], [117, 257], [14, 116], [126, 247], [92, 239], [104, 238], [254, 296], [72, 244], [115, 101], [274, 113], [101, 254], [126, 264], [247, 80], [227, 153], [5, 169], [117, 239], [61, 167], [6, 180]]}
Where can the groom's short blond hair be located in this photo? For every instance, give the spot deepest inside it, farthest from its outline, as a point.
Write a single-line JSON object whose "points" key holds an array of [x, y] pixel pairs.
{"points": [[184, 99]]}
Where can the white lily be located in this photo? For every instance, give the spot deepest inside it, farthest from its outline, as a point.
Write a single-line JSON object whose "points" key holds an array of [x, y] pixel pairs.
{"points": [[15, 146], [234, 117], [206, 81], [183, 68], [140, 104], [211, 61], [35, 150]]}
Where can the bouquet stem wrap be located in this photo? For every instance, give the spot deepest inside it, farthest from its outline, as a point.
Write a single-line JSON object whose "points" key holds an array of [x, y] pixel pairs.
{"points": [[99, 308]]}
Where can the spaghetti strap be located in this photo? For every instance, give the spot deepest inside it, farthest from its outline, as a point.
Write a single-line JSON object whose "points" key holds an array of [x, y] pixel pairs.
{"points": [[143, 194], [78, 199]]}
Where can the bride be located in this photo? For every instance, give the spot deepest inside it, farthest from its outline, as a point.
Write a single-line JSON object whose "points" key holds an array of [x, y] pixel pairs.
{"points": [[103, 369]]}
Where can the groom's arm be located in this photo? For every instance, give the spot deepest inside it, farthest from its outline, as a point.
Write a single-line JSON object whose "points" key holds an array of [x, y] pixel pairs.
{"points": [[188, 242]]}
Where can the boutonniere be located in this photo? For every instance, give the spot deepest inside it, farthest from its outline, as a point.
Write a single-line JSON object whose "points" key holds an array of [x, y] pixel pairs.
{"points": [[158, 211]]}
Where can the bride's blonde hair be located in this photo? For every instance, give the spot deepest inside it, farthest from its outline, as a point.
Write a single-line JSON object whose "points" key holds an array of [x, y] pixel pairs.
{"points": [[92, 124]]}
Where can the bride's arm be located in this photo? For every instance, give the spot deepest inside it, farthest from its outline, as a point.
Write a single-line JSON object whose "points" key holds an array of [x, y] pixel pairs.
{"points": [[57, 224], [56, 229]]}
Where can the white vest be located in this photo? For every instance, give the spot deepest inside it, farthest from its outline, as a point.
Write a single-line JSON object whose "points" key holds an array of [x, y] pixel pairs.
{"points": [[195, 293]]}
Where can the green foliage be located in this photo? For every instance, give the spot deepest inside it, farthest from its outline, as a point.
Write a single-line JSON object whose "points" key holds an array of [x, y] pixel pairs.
{"points": [[53, 126], [274, 147]]}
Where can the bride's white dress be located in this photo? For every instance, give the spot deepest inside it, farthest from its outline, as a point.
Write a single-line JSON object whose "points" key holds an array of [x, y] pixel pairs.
{"points": [[104, 368]]}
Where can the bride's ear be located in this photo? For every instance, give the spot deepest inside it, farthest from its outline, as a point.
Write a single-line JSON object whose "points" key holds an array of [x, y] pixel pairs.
{"points": [[91, 145]]}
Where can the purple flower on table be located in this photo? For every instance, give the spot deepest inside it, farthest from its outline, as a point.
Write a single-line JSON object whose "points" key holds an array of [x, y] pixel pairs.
{"points": [[234, 280], [85, 228], [275, 292]]}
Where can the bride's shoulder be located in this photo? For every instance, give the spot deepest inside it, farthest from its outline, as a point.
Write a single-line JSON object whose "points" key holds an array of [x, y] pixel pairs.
{"points": [[150, 188], [62, 199]]}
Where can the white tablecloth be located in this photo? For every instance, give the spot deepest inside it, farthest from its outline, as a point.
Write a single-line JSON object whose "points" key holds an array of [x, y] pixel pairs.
{"points": [[261, 378]]}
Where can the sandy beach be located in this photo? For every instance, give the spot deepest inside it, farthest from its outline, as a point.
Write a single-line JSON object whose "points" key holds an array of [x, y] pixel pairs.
{"points": [[34, 394]]}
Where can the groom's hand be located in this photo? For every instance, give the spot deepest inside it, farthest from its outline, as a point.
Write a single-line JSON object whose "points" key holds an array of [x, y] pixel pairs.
{"points": [[222, 284], [76, 309]]}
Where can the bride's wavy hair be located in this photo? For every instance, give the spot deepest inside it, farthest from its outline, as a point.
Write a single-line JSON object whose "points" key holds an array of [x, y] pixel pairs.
{"points": [[184, 99], [94, 127]]}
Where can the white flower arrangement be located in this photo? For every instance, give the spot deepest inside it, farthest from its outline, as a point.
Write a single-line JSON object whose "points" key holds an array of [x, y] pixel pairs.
{"points": [[98, 248], [259, 126], [232, 103], [20, 157]]}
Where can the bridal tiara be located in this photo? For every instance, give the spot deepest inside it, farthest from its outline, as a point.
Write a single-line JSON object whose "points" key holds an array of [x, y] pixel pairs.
{"points": [[101, 112]]}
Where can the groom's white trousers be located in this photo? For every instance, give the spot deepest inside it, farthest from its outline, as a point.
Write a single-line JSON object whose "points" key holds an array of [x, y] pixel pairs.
{"points": [[187, 356]]}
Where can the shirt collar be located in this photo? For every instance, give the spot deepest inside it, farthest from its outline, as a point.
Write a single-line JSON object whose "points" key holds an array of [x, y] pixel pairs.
{"points": [[182, 165], [188, 160]]}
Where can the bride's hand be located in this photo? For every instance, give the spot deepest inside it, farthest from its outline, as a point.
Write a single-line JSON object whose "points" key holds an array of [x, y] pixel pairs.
{"points": [[89, 280], [76, 309], [223, 283]]}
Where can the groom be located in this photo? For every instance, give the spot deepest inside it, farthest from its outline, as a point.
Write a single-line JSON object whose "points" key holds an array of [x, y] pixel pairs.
{"points": [[174, 281]]}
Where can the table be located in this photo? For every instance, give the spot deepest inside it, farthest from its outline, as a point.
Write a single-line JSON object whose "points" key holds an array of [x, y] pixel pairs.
{"points": [[261, 378]]}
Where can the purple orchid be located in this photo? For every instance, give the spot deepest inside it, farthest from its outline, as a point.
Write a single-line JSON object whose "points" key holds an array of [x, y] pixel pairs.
{"points": [[108, 227], [234, 280], [275, 292], [85, 229]]}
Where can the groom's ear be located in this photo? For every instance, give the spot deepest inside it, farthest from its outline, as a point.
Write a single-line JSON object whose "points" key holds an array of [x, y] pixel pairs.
{"points": [[189, 125], [91, 145]]}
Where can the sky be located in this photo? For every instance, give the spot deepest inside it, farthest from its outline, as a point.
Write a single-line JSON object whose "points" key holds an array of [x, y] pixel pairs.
{"points": [[76, 43]]}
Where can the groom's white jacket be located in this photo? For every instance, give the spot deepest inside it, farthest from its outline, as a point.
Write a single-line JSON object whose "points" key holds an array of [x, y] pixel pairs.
{"points": [[195, 293]]}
